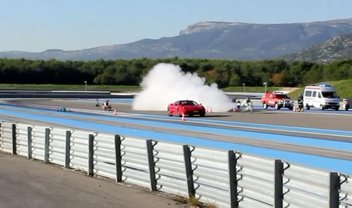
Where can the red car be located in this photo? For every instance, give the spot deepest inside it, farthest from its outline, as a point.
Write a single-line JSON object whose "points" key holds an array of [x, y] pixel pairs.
{"points": [[185, 107], [277, 100]]}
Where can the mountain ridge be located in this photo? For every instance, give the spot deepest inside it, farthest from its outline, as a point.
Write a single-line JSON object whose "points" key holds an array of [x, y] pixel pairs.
{"points": [[211, 39], [334, 49]]}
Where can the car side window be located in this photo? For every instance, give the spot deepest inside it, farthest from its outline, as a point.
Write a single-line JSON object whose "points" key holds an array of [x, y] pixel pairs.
{"points": [[319, 95], [308, 93], [314, 94]]}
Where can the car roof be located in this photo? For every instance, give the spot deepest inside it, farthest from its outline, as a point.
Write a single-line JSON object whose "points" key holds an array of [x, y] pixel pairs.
{"points": [[185, 101], [279, 93]]}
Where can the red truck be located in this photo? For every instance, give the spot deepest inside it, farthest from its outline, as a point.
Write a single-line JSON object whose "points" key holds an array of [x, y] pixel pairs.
{"points": [[276, 100]]}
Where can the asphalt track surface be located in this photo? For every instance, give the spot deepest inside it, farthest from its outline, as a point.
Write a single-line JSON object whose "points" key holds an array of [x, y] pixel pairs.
{"points": [[339, 120], [328, 126], [312, 132]]}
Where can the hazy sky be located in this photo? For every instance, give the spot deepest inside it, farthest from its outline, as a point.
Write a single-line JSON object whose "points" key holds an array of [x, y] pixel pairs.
{"points": [[37, 25]]}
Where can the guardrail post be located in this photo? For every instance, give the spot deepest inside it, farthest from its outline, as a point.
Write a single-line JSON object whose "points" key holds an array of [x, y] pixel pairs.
{"points": [[334, 185], [0, 133], [46, 145], [189, 171], [278, 186], [118, 158], [151, 162], [14, 143], [29, 142], [90, 154], [232, 178], [68, 149], [232, 162]]}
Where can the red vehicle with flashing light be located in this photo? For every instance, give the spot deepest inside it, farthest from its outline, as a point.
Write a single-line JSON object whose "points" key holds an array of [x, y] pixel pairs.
{"points": [[276, 100], [185, 107]]}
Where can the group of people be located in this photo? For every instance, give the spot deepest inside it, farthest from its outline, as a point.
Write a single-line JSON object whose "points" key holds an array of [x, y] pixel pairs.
{"points": [[106, 105], [246, 105]]}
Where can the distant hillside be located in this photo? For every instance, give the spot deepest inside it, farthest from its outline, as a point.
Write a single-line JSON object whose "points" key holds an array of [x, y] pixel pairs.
{"points": [[342, 89], [336, 48], [220, 40]]}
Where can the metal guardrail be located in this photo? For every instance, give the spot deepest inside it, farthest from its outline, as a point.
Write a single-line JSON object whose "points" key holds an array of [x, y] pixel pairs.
{"points": [[22, 139], [170, 172], [134, 162], [7, 136], [105, 156], [345, 191], [79, 150], [223, 178], [211, 176], [36, 143], [306, 187], [57, 146], [256, 178]]}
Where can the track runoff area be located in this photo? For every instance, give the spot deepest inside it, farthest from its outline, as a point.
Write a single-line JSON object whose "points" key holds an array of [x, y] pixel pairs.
{"points": [[315, 139]]}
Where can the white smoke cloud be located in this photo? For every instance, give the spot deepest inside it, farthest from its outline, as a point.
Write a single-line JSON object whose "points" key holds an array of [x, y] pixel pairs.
{"points": [[167, 83]]}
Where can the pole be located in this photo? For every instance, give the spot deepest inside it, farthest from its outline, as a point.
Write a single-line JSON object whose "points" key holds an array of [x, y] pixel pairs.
{"points": [[232, 161], [151, 162], [278, 185], [189, 171], [47, 145], [118, 158], [68, 149], [29, 142], [14, 139], [91, 155]]}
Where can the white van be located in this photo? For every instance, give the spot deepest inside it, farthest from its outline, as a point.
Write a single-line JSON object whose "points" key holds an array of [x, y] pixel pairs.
{"points": [[321, 96]]}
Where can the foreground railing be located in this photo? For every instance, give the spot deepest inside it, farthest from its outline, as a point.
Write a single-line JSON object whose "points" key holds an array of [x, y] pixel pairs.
{"points": [[222, 178]]}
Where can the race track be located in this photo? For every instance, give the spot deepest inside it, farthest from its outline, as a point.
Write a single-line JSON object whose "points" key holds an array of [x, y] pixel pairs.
{"points": [[314, 138]]}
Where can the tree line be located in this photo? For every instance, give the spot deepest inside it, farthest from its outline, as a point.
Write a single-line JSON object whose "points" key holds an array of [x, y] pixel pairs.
{"points": [[225, 73]]}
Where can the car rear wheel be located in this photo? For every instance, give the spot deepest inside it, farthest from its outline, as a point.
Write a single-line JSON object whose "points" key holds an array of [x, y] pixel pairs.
{"points": [[322, 107], [169, 112], [265, 106], [277, 106], [307, 107]]}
